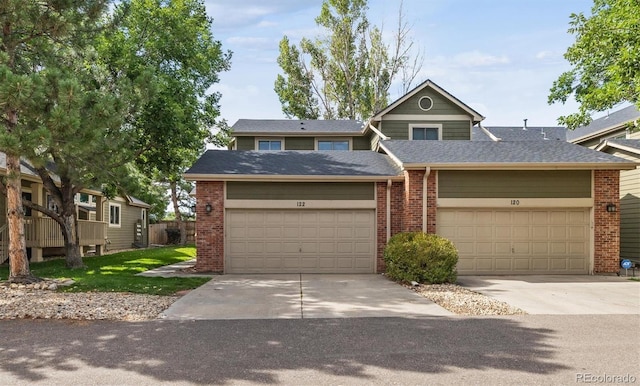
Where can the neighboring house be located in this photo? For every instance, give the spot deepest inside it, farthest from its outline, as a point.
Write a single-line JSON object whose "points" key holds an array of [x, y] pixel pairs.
{"points": [[121, 223], [325, 196], [614, 134]]}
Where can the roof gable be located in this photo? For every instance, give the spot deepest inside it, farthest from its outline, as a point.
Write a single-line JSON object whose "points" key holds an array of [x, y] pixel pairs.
{"points": [[429, 88]]}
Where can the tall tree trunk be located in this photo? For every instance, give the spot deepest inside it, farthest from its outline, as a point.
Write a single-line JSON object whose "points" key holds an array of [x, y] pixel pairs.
{"points": [[176, 209], [69, 228], [18, 262]]}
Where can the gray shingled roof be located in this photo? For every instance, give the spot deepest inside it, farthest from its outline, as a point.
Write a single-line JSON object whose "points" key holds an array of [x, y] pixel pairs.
{"points": [[514, 133], [298, 163], [484, 152], [25, 167], [296, 126], [617, 118]]}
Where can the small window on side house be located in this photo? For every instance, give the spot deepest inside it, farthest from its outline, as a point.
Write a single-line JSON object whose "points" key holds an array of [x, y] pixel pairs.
{"points": [[333, 145], [114, 215], [84, 198], [268, 144]]}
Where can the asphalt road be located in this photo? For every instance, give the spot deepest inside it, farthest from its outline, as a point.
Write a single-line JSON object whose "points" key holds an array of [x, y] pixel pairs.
{"points": [[531, 349]]}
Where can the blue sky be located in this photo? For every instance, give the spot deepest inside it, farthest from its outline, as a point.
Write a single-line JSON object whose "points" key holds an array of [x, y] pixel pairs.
{"points": [[498, 56]]}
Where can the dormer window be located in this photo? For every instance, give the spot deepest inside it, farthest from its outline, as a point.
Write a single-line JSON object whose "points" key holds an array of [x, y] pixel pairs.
{"points": [[425, 132], [269, 144]]}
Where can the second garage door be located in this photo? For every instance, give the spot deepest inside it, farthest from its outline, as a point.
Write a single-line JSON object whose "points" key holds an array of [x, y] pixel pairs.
{"points": [[306, 241], [493, 241]]}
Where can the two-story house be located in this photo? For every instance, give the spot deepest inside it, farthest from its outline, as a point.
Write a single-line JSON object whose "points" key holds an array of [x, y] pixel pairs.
{"points": [[325, 196]]}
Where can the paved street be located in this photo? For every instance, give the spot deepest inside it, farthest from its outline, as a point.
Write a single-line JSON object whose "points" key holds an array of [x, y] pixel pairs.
{"points": [[531, 349]]}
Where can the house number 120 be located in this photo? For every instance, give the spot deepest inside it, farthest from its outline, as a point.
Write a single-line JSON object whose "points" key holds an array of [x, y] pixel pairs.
{"points": [[300, 203], [515, 202]]}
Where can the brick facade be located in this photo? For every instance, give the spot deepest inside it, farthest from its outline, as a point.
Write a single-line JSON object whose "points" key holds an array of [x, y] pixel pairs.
{"points": [[210, 226], [413, 200], [407, 215], [606, 224]]}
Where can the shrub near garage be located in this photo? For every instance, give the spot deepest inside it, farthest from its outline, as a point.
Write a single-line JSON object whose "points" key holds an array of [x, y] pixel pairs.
{"points": [[421, 257]]}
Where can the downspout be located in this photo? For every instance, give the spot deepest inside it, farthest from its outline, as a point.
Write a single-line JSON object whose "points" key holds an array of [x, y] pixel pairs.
{"points": [[388, 209], [425, 202]]}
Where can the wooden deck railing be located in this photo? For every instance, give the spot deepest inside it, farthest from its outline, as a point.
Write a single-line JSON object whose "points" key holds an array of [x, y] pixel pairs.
{"points": [[44, 232]]}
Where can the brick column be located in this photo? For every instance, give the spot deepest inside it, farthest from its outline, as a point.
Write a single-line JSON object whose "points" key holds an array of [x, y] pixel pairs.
{"points": [[606, 224], [413, 200], [210, 226], [381, 231], [397, 207], [431, 202]]}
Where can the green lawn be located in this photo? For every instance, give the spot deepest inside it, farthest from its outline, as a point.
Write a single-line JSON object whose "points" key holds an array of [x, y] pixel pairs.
{"points": [[116, 272]]}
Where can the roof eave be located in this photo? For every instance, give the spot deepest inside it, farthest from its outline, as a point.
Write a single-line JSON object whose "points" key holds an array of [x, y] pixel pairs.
{"points": [[286, 178], [522, 166], [602, 146], [298, 134]]}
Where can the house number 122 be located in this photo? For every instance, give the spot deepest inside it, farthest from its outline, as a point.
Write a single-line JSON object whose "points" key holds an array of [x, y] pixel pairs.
{"points": [[300, 203]]}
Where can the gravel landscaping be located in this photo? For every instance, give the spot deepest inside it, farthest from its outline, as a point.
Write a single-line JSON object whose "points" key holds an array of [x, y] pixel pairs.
{"points": [[21, 302], [462, 301], [43, 302]]}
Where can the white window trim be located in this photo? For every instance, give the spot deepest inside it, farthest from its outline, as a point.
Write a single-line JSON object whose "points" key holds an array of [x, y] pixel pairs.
{"points": [[119, 224], [348, 139], [272, 139], [425, 126], [420, 101], [143, 217]]}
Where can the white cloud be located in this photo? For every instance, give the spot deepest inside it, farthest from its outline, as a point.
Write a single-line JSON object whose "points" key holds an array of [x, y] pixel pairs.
{"points": [[544, 54], [479, 59], [250, 41], [266, 24]]}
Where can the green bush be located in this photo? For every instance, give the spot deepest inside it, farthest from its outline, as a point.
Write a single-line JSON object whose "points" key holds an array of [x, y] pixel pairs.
{"points": [[421, 257]]}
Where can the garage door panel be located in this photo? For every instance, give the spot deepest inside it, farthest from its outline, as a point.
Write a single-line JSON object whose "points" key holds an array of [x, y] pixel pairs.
{"points": [[518, 241], [539, 264], [273, 241], [521, 264], [483, 264], [503, 264]]}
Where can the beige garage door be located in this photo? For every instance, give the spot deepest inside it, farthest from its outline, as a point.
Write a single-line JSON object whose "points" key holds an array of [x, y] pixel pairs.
{"points": [[551, 241], [307, 241]]}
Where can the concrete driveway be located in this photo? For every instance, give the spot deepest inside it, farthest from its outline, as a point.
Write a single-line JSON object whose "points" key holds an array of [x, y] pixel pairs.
{"points": [[301, 296], [561, 295]]}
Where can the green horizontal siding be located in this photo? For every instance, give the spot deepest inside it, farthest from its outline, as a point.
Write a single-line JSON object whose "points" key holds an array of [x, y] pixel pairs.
{"points": [[508, 184], [441, 105], [300, 190], [450, 129], [361, 143], [299, 143], [245, 143]]}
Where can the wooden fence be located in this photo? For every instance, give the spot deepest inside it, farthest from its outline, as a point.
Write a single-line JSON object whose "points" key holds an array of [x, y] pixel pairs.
{"points": [[158, 232]]}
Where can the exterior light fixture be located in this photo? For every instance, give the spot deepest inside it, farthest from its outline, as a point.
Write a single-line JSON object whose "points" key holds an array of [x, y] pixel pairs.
{"points": [[208, 208], [611, 208]]}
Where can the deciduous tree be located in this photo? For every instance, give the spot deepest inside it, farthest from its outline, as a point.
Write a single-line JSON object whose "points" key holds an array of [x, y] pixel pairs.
{"points": [[347, 72], [605, 60]]}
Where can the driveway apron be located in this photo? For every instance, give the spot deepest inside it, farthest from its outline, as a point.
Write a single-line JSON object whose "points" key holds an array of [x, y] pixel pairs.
{"points": [[560, 294], [300, 296]]}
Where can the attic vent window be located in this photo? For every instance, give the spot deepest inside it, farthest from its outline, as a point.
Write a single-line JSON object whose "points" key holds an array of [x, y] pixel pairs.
{"points": [[425, 103]]}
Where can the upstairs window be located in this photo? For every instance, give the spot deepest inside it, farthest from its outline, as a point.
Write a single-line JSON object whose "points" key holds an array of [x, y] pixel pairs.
{"points": [[424, 133], [333, 145], [269, 144]]}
